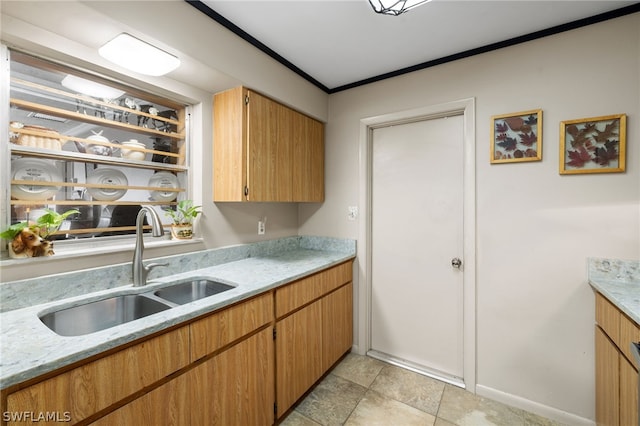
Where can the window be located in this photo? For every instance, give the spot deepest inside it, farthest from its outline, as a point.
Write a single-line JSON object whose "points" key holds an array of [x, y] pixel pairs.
{"points": [[77, 141]]}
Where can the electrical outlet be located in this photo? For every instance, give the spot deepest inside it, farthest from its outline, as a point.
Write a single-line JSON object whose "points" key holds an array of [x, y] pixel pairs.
{"points": [[261, 227]]}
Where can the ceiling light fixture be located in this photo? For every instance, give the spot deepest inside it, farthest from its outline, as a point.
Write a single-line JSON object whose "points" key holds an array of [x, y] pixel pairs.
{"points": [[139, 56], [394, 7]]}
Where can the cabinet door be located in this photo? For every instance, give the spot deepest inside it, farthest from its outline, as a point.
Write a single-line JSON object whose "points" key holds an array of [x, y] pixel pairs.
{"points": [[308, 159], [236, 386], [607, 381], [166, 405], [229, 145], [337, 325], [269, 156], [628, 393], [629, 333], [298, 354]]}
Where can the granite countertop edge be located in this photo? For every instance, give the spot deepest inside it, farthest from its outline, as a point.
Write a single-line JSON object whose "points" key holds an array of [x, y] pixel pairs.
{"points": [[619, 282], [43, 351]]}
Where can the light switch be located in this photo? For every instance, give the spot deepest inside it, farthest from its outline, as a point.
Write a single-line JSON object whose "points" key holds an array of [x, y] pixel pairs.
{"points": [[352, 212]]}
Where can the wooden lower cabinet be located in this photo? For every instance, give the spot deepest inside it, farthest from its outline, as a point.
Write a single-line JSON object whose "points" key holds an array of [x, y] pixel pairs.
{"points": [[607, 381], [298, 355], [165, 405], [337, 325], [236, 386], [308, 343], [616, 375], [628, 393]]}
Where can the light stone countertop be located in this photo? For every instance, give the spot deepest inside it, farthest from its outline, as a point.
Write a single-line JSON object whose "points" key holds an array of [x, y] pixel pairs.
{"points": [[29, 349], [619, 282]]}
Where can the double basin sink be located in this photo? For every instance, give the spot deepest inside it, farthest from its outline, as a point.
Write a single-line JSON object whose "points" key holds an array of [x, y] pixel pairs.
{"points": [[106, 313]]}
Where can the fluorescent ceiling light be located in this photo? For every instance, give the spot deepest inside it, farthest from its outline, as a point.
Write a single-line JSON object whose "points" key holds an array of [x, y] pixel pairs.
{"points": [[90, 88], [395, 7], [136, 55]]}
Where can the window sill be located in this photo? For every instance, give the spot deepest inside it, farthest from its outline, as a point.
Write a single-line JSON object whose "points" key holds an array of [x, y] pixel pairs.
{"points": [[92, 247]]}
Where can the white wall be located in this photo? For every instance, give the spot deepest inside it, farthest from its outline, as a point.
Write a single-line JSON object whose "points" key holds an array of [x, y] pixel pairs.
{"points": [[535, 228]]}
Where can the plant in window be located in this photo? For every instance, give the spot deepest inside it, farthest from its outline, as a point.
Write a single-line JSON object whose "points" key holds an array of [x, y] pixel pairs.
{"points": [[183, 217], [32, 239]]}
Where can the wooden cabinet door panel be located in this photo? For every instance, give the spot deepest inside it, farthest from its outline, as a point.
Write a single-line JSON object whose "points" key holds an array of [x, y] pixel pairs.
{"points": [[299, 355], [628, 393], [229, 145], [236, 386], [337, 325], [308, 159], [629, 332], [264, 150], [166, 405], [607, 381], [92, 387], [608, 318], [221, 328]]}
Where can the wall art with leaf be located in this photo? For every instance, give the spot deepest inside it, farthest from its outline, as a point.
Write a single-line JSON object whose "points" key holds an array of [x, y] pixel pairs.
{"points": [[516, 137], [593, 145]]}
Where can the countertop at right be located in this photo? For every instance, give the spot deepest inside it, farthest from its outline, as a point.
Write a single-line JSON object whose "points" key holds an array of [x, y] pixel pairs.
{"points": [[618, 281]]}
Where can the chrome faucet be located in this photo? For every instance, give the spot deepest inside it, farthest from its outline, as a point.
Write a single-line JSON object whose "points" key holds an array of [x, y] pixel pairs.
{"points": [[140, 271]]}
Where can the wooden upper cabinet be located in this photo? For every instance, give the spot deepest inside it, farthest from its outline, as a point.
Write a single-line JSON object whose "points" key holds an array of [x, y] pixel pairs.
{"points": [[229, 145], [308, 159], [265, 151]]}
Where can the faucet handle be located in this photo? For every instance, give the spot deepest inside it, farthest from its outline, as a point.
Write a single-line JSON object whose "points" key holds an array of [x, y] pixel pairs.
{"points": [[150, 266]]}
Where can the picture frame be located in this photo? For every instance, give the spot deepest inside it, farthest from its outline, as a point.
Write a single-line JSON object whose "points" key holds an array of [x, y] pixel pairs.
{"points": [[516, 137], [593, 145]]}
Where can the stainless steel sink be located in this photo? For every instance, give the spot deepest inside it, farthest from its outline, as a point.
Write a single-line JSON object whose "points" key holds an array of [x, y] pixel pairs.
{"points": [[101, 314], [188, 291]]}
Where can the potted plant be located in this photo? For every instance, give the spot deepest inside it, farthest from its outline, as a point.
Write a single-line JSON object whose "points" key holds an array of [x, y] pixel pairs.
{"points": [[183, 216], [32, 239]]}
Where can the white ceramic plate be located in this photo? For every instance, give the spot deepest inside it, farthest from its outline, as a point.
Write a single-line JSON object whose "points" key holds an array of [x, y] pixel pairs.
{"points": [[34, 169], [106, 176], [163, 180]]}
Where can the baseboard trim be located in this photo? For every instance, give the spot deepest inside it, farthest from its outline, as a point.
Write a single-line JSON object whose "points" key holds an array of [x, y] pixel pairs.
{"points": [[533, 407]]}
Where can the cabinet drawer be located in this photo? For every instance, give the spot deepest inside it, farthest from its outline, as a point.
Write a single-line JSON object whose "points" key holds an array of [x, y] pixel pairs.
{"points": [[221, 328], [299, 293], [608, 318], [166, 405], [89, 388], [629, 332]]}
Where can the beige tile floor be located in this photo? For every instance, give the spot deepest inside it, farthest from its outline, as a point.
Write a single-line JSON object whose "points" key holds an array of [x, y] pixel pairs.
{"points": [[362, 391]]}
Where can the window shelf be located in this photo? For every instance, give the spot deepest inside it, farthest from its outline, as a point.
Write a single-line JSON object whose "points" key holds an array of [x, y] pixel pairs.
{"points": [[56, 134]]}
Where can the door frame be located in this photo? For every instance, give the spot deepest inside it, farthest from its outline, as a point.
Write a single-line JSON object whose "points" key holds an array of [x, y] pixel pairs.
{"points": [[466, 107]]}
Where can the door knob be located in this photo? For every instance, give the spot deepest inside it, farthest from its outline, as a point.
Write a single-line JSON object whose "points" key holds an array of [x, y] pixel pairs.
{"points": [[456, 263]]}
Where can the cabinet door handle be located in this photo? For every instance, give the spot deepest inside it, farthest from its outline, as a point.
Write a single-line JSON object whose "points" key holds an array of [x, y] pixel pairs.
{"points": [[456, 263]]}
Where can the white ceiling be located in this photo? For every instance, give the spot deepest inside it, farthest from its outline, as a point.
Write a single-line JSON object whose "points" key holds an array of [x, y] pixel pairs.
{"points": [[342, 42]]}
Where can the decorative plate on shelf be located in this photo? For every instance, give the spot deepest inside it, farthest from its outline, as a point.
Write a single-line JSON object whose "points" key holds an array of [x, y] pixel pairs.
{"points": [[34, 169], [107, 177], [163, 180]]}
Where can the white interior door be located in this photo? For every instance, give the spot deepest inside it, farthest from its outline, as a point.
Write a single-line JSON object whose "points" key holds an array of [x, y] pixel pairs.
{"points": [[416, 231]]}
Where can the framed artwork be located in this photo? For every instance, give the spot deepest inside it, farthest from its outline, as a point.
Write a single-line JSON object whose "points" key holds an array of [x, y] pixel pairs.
{"points": [[516, 137], [593, 145]]}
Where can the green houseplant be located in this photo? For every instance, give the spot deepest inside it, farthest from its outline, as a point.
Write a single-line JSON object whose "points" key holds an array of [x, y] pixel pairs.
{"points": [[183, 217], [44, 227]]}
